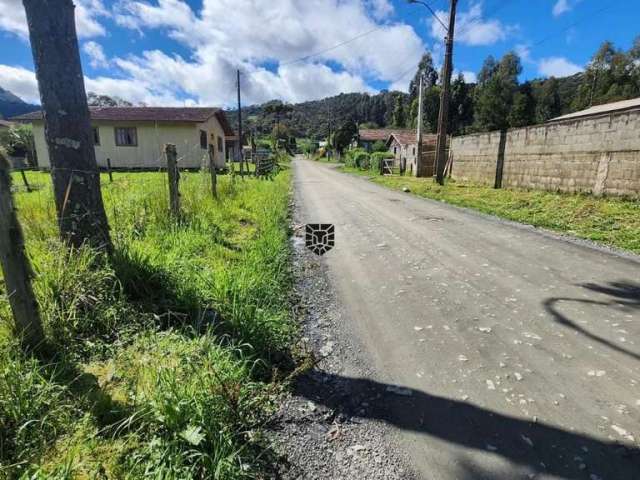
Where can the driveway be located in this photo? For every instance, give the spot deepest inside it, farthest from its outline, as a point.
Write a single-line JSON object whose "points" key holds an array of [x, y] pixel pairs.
{"points": [[500, 351]]}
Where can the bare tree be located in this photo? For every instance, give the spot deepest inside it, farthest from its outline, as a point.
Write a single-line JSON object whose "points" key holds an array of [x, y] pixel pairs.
{"points": [[76, 179]]}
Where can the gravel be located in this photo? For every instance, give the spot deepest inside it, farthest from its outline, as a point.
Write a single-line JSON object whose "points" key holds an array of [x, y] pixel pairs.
{"points": [[325, 428]]}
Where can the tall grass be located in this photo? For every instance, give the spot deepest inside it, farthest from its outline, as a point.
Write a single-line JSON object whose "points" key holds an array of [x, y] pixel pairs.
{"points": [[162, 355]]}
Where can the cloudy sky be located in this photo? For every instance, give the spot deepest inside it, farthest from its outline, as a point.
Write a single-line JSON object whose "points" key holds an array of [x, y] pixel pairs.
{"points": [[186, 52]]}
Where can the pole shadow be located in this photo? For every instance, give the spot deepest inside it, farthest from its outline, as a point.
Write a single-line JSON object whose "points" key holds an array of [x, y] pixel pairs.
{"points": [[538, 447], [624, 294]]}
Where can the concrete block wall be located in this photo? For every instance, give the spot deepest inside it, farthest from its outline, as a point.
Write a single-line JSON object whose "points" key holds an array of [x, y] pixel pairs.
{"points": [[598, 155]]}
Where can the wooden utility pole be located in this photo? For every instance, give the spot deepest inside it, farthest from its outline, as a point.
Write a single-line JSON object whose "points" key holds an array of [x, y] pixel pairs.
{"points": [[174, 178], [16, 268], [445, 95], [239, 124], [212, 171], [74, 171], [419, 130]]}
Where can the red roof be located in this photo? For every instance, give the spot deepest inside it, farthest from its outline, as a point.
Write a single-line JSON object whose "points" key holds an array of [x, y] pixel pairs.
{"points": [[379, 134], [149, 114], [409, 138]]}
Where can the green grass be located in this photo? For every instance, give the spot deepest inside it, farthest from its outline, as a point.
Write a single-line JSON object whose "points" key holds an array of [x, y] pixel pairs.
{"points": [[611, 221], [165, 357]]}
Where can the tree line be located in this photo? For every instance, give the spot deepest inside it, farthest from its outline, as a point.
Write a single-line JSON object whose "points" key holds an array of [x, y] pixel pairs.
{"points": [[496, 101]]}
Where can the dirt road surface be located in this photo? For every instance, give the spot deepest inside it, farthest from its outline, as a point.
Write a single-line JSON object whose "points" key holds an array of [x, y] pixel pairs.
{"points": [[502, 352]]}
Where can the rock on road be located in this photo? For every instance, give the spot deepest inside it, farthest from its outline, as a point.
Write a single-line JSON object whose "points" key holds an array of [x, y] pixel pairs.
{"points": [[504, 352]]}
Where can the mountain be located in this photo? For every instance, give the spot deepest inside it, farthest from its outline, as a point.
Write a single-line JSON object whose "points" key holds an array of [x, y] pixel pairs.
{"points": [[12, 105]]}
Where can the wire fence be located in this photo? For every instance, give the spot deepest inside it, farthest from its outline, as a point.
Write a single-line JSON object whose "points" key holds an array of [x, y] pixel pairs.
{"points": [[132, 197]]}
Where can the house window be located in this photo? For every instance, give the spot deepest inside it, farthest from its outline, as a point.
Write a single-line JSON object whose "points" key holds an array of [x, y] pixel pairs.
{"points": [[203, 139], [96, 136], [219, 144], [126, 136], [395, 150], [414, 150]]}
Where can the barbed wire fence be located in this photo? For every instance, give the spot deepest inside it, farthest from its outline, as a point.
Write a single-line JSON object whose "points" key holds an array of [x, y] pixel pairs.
{"points": [[133, 197]]}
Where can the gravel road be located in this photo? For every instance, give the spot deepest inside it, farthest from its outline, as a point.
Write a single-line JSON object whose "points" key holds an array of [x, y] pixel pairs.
{"points": [[476, 348]]}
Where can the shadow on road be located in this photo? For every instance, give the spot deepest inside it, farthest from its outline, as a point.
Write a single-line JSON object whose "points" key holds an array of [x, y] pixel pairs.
{"points": [[624, 296], [534, 446]]}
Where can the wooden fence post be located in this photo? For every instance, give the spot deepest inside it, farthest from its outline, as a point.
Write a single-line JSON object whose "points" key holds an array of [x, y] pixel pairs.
{"points": [[174, 177], [24, 179], [16, 268], [109, 170], [212, 170]]}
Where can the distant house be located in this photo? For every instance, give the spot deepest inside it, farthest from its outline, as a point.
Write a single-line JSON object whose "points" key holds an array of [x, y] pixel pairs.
{"points": [[5, 125], [404, 147], [367, 137], [133, 137]]}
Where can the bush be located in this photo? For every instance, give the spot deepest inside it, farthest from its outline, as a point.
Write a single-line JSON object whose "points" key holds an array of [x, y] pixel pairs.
{"points": [[379, 146]]}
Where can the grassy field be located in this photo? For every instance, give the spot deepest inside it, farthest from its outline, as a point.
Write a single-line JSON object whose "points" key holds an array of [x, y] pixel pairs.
{"points": [[610, 221], [167, 354]]}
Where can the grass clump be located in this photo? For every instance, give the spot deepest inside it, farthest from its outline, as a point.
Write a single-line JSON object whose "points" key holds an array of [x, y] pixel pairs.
{"points": [[611, 221], [162, 356]]}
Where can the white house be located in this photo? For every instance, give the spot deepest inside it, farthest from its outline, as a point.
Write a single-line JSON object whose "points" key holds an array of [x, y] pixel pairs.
{"points": [[133, 137]]}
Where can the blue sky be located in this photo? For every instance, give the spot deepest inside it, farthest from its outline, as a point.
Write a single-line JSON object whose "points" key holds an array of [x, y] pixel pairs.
{"points": [[173, 52]]}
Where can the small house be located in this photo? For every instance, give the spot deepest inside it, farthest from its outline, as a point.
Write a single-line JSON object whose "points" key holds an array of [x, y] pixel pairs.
{"points": [[404, 147], [134, 137], [367, 137]]}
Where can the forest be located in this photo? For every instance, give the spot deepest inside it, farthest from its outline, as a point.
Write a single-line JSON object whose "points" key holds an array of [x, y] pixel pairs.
{"points": [[498, 100]]}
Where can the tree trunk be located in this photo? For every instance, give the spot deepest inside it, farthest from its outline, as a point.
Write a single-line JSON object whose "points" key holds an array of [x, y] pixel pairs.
{"points": [[76, 179], [16, 267]]}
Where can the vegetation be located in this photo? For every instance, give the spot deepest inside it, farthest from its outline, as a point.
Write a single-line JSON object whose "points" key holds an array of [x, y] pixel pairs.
{"points": [[610, 221], [498, 100], [17, 141], [162, 358]]}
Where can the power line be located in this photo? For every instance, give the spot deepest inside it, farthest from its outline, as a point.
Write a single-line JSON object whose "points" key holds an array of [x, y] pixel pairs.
{"points": [[307, 57], [570, 26]]}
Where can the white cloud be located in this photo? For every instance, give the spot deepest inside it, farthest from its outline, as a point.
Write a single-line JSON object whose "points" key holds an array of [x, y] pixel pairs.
{"points": [[564, 6], [21, 82], [524, 52], [380, 8], [96, 54], [283, 33], [558, 67], [469, 77], [223, 35], [88, 12], [471, 28]]}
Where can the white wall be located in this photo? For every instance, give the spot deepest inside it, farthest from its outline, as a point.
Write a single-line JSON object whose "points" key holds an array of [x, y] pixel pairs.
{"points": [[151, 139]]}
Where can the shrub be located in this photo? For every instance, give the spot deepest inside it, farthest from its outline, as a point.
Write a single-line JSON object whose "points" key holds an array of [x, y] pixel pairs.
{"points": [[361, 160]]}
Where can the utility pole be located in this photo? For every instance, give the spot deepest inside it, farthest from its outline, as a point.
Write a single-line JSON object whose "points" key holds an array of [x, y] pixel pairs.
{"points": [[419, 132], [67, 126], [239, 123], [443, 116]]}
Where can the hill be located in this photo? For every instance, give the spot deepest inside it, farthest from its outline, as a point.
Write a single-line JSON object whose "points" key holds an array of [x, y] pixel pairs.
{"points": [[12, 105], [312, 119]]}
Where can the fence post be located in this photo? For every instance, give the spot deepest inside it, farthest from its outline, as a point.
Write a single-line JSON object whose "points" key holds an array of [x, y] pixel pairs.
{"points": [[174, 177], [24, 179], [500, 162], [212, 170], [109, 170], [16, 268]]}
